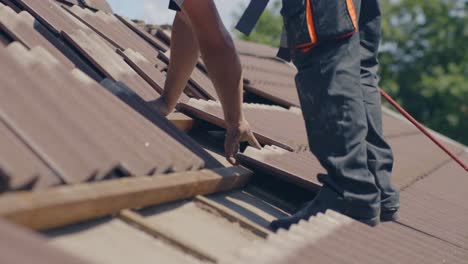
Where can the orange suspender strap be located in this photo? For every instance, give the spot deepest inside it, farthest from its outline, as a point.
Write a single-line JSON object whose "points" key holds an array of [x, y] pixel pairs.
{"points": [[310, 22], [352, 13]]}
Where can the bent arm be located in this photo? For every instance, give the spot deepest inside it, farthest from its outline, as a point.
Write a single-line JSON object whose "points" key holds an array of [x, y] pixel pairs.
{"points": [[219, 54]]}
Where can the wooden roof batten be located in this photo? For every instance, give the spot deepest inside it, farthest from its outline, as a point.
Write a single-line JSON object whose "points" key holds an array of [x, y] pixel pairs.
{"points": [[67, 205]]}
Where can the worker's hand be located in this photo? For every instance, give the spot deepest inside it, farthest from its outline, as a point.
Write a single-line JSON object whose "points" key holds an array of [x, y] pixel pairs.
{"points": [[235, 134], [161, 106]]}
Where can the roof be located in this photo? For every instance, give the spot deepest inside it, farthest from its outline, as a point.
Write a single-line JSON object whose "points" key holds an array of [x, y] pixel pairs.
{"points": [[100, 177]]}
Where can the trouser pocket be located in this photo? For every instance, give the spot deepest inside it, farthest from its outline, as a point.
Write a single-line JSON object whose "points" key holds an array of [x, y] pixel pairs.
{"points": [[310, 22]]}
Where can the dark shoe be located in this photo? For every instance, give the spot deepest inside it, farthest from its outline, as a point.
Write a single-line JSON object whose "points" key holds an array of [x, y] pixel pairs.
{"points": [[389, 214], [325, 200]]}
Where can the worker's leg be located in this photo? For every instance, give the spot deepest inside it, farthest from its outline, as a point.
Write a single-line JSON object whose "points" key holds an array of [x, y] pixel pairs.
{"points": [[379, 153], [332, 100]]}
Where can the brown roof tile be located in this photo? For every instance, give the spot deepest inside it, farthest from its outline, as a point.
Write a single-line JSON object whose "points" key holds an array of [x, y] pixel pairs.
{"points": [[255, 49], [279, 68], [334, 238], [223, 237], [110, 63], [415, 157], [29, 31], [113, 241], [98, 5], [12, 5], [448, 183], [270, 79], [139, 105], [300, 168], [267, 122], [52, 15], [163, 35], [147, 70], [21, 246], [82, 117], [153, 40], [50, 132], [396, 126], [115, 31], [198, 79], [24, 169], [24, 28], [250, 206], [437, 217]]}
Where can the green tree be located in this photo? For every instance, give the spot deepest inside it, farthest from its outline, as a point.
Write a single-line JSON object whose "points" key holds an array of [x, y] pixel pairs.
{"points": [[424, 58], [425, 61], [269, 27]]}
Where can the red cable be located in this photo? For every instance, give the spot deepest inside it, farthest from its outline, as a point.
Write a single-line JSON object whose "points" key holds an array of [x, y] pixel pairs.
{"points": [[422, 129]]}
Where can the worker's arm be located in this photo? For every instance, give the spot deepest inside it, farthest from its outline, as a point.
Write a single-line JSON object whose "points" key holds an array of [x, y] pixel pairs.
{"points": [[223, 65], [184, 57]]}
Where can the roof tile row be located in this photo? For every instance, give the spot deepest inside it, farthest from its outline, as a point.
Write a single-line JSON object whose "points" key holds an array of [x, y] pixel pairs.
{"points": [[25, 29], [300, 168], [334, 238], [267, 122], [69, 121], [110, 63], [115, 32], [448, 183], [53, 16], [423, 211]]}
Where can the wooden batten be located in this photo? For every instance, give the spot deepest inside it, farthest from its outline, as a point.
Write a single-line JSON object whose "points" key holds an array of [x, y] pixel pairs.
{"points": [[181, 121], [66, 205]]}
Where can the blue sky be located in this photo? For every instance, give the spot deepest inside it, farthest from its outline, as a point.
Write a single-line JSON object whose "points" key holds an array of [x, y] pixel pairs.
{"points": [[156, 12]]}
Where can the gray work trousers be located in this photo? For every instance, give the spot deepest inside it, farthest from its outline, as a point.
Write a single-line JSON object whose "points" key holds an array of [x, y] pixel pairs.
{"points": [[338, 87]]}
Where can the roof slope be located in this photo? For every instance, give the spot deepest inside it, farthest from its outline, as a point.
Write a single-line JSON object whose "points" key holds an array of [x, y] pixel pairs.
{"points": [[78, 84]]}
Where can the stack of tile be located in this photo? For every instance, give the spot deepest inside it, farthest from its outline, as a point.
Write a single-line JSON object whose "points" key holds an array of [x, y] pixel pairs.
{"points": [[70, 123], [300, 168], [272, 125], [30, 32], [98, 37], [24, 28], [115, 32], [334, 238], [53, 16]]}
